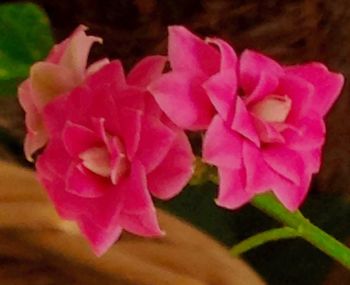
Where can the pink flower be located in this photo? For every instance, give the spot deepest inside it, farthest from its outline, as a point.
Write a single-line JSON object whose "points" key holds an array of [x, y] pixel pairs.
{"points": [[63, 69], [266, 122], [110, 147]]}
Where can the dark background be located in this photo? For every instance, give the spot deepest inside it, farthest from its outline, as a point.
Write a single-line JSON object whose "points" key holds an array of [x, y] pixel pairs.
{"points": [[290, 31]]}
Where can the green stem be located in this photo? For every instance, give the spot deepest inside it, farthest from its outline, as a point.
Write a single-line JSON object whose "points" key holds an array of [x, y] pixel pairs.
{"points": [[261, 238], [305, 229]]}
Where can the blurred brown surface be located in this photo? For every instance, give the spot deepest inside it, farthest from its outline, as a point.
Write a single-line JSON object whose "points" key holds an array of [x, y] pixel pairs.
{"points": [[38, 248]]}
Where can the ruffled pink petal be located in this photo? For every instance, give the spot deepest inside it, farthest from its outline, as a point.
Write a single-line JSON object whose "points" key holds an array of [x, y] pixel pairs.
{"points": [[327, 84], [144, 223], [111, 74], [291, 195], [77, 138], [243, 122], [139, 214], [146, 71], [307, 134], [285, 162], [68, 206], [49, 81], [187, 52], [262, 178], [222, 146], [100, 239], [258, 74], [131, 134], [182, 98], [228, 57], [312, 160], [173, 173], [300, 92], [232, 194], [81, 182], [137, 198], [56, 158], [221, 89], [52, 168], [156, 140], [259, 176]]}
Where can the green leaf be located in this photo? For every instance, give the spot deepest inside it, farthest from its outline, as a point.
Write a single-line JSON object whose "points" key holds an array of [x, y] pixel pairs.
{"points": [[25, 38]]}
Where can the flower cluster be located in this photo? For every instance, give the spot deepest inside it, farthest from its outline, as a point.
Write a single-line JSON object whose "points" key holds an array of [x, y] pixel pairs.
{"points": [[112, 141]]}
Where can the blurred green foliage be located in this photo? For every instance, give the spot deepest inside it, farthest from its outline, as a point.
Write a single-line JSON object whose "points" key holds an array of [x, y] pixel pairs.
{"points": [[25, 38]]}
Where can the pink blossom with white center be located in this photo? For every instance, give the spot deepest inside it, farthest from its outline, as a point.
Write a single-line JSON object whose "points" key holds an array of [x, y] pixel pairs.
{"points": [[110, 148], [265, 122]]}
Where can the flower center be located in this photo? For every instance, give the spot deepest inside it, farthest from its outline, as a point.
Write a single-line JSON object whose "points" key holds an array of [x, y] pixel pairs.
{"points": [[107, 161], [97, 160], [272, 109]]}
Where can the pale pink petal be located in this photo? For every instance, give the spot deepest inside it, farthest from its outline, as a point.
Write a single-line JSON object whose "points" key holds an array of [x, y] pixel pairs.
{"points": [[146, 71], [228, 55], [258, 74], [58, 50], [300, 92], [222, 146], [243, 122], [83, 183], [221, 89], [49, 81], [36, 136], [156, 140], [76, 53], [97, 65], [100, 239], [33, 116], [182, 98], [327, 84], [97, 160], [33, 141], [77, 138], [144, 223], [187, 52], [272, 109], [173, 173], [232, 194], [285, 162]]}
